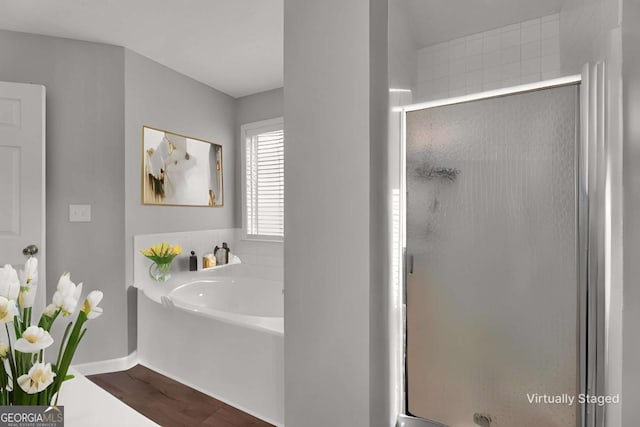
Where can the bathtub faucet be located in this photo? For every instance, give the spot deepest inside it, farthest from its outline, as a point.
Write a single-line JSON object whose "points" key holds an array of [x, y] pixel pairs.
{"points": [[166, 301]]}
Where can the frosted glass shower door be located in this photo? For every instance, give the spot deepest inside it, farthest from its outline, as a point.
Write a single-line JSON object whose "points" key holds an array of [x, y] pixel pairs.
{"points": [[492, 281]]}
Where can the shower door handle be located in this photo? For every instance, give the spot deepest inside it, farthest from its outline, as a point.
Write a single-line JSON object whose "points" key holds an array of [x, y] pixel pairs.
{"points": [[406, 271]]}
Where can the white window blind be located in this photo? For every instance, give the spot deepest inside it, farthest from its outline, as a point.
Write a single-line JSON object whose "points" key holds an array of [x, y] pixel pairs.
{"points": [[264, 182]]}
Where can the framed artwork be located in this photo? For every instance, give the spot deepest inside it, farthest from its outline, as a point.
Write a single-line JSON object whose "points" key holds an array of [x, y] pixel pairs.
{"points": [[178, 170]]}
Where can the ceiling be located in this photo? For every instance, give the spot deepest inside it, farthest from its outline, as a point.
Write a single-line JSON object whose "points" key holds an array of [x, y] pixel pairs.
{"points": [[235, 46], [435, 21]]}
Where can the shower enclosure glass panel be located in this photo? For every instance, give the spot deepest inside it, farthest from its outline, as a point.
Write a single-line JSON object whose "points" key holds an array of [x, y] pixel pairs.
{"points": [[492, 280]]}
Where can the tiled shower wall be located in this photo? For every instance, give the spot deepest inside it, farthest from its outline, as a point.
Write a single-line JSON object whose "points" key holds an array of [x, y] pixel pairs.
{"points": [[521, 53]]}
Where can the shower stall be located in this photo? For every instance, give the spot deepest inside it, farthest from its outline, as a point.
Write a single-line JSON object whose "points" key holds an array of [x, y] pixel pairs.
{"points": [[503, 257]]}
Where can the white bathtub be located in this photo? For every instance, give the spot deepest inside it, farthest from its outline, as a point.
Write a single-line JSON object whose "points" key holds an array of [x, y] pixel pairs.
{"points": [[245, 301], [220, 332]]}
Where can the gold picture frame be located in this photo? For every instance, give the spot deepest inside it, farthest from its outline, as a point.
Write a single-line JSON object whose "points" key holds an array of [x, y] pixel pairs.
{"points": [[179, 170]]}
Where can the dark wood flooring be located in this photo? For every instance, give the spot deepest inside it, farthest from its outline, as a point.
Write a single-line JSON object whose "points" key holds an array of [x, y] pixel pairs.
{"points": [[170, 403]]}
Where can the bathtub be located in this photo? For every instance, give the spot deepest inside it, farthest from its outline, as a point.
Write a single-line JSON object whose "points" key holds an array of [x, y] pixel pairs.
{"points": [[245, 301], [220, 332]]}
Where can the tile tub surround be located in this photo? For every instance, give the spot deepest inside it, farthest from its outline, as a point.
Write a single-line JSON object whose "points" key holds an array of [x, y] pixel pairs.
{"points": [[251, 252], [202, 242], [521, 53]]}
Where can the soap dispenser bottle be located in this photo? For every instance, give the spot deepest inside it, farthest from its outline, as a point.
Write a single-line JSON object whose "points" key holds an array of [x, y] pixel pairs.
{"points": [[217, 254], [225, 253], [222, 254], [193, 262]]}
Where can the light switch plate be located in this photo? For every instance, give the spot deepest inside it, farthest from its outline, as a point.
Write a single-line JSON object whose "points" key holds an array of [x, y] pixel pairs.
{"points": [[79, 213]]}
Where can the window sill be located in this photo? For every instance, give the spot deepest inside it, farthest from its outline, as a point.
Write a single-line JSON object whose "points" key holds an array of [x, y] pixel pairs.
{"points": [[253, 239]]}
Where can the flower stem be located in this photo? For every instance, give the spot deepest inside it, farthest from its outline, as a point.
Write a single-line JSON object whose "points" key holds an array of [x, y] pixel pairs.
{"points": [[74, 339], [26, 318], [64, 338], [17, 392]]}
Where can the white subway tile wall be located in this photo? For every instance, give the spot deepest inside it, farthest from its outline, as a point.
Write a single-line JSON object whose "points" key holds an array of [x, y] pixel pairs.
{"points": [[250, 252], [516, 54]]}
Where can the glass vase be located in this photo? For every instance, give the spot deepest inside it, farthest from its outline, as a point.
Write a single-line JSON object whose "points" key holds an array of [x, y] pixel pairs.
{"points": [[160, 272]]}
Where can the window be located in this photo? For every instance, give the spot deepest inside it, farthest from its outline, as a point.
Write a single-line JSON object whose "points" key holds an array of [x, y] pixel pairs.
{"points": [[263, 180]]}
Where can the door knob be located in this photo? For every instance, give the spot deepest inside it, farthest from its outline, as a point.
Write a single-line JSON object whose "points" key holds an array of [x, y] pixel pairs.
{"points": [[30, 250]]}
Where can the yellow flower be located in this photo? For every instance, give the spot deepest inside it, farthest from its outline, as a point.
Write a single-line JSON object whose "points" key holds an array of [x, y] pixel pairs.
{"points": [[157, 249], [162, 252]]}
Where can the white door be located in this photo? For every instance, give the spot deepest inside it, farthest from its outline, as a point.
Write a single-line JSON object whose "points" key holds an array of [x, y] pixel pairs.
{"points": [[22, 175]]}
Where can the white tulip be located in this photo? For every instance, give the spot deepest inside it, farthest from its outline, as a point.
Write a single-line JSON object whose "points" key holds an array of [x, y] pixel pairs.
{"points": [[33, 340], [27, 296], [90, 306], [29, 276], [28, 283], [9, 283], [8, 310], [50, 310], [40, 376], [67, 295]]}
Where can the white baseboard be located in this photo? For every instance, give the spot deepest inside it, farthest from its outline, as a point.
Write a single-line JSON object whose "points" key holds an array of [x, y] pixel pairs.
{"points": [[105, 366]]}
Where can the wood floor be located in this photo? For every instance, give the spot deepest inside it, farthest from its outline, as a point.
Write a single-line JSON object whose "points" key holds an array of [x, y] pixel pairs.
{"points": [[170, 403]]}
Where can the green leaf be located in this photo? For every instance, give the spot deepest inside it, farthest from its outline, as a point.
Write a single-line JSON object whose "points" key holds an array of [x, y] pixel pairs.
{"points": [[62, 343]]}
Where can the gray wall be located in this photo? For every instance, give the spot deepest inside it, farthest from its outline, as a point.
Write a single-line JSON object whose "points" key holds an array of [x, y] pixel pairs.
{"points": [[403, 53], [631, 108], [380, 390], [160, 97], [332, 352], [85, 164], [249, 109], [98, 98]]}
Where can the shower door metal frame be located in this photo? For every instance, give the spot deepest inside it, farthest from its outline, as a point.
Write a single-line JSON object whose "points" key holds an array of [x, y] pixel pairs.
{"points": [[590, 184]]}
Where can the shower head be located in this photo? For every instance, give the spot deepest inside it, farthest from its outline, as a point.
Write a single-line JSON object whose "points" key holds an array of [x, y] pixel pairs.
{"points": [[438, 172]]}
